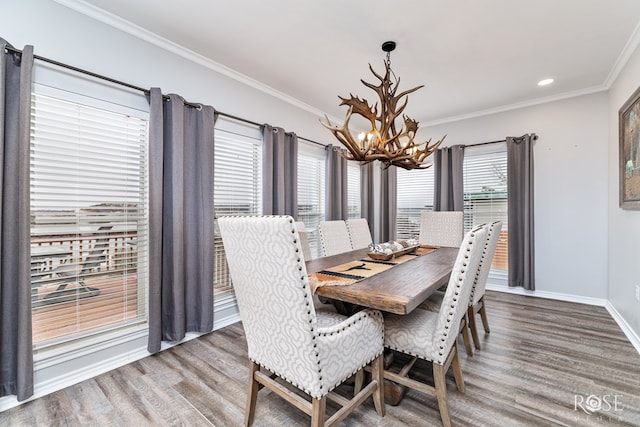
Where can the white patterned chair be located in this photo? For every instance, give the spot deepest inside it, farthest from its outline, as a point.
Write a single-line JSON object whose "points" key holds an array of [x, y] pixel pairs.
{"points": [[440, 228], [476, 302], [304, 240], [359, 233], [433, 336], [319, 303], [334, 238], [314, 351]]}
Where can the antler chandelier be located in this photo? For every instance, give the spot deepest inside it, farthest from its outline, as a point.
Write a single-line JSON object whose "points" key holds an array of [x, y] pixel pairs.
{"points": [[386, 141]]}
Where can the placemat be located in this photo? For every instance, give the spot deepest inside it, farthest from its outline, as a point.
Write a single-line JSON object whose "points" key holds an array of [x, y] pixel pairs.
{"points": [[354, 271]]}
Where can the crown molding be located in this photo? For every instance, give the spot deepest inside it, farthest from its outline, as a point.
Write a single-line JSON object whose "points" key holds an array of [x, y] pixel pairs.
{"points": [[517, 105], [624, 57], [150, 37], [146, 35]]}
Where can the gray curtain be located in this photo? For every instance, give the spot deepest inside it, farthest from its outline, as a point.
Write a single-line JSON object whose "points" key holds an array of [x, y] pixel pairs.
{"points": [[388, 204], [449, 189], [336, 187], [367, 206], [16, 348], [279, 172], [520, 211], [181, 219]]}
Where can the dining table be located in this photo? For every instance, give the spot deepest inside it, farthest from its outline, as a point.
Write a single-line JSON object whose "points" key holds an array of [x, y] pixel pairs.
{"points": [[397, 290]]}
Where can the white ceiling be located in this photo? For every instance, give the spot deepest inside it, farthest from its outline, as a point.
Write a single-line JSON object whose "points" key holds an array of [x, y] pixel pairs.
{"points": [[473, 56]]}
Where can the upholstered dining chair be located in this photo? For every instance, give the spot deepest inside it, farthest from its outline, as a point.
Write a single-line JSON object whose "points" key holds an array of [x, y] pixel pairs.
{"points": [[476, 302], [441, 228], [288, 340], [304, 240], [359, 233], [334, 238], [433, 336]]}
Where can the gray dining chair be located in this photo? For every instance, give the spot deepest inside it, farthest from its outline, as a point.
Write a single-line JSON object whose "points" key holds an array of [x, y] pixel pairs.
{"points": [[288, 340], [433, 336], [441, 228], [334, 238], [359, 233]]}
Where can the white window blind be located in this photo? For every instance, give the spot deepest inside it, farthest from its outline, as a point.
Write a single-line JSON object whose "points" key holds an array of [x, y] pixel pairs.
{"points": [[237, 185], [353, 190], [485, 196], [414, 194], [88, 215], [311, 190]]}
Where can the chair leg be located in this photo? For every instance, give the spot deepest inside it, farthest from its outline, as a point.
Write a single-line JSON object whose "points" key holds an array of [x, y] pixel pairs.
{"points": [[464, 330], [359, 382], [457, 369], [483, 315], [473, 327], [252, 394], [377, 374], [441, 393], [318, 410]]}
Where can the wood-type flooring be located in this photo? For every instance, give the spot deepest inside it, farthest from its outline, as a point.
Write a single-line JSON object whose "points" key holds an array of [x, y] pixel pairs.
{"points": [[545, 363]]}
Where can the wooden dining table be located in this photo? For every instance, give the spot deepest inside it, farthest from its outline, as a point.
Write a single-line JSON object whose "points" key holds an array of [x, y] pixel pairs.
{"points": [[398, 290]]}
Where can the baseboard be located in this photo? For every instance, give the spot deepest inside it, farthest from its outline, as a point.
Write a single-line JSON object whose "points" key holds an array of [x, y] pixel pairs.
{"points": [[626, 328], [601, 302], [87, 371]]}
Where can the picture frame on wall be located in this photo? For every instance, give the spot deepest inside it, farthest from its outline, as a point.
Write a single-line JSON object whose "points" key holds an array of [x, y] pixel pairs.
{"points": [[629, 140]]}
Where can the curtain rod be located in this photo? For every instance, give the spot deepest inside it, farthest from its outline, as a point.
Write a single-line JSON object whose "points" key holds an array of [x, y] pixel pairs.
{"points": [[131, 86], [231, 116], [533, 135]]}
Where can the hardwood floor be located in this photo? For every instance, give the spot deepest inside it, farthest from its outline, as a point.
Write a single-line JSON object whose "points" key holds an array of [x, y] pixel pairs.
{"points": [[541, 357]]}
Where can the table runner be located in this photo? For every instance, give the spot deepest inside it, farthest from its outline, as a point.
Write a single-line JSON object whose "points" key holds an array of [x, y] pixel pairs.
{"points": [[354, 271]]}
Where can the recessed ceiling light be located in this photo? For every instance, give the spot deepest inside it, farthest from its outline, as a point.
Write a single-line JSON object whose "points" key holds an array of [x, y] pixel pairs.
{"points": [[545, 82]]}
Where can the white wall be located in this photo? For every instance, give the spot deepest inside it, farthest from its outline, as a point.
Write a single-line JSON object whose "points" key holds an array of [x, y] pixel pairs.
{"points": [[570, 190], [624, 225]]}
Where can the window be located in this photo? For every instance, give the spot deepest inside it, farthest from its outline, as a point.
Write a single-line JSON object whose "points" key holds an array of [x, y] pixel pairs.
{"points": [[88, 215], [311, 190], [485, 196], [237, 185], [353, 190], [415, 194]]}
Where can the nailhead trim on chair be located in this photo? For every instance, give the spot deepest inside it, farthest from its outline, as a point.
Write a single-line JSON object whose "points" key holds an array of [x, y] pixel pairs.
{"points": [[314, 333], [304, 279], [455, 299]]}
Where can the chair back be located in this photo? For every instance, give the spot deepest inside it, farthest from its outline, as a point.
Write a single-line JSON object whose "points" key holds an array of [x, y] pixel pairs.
{"points": [[359, 233], [480, 282], [304, 240], [441, 228], [458, 293], [334, 238], [272, 289], [98, 252]]}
